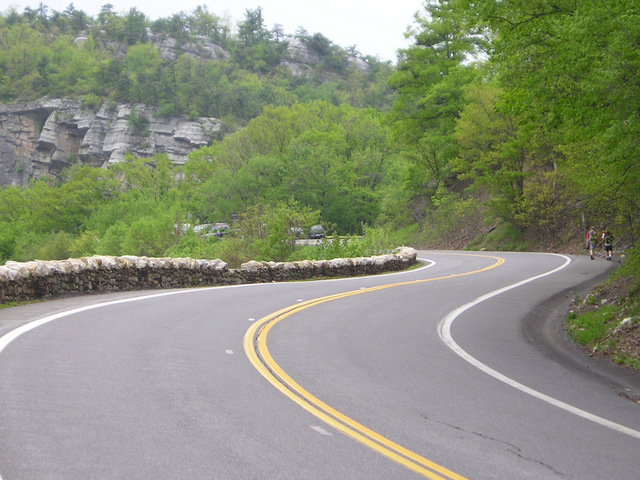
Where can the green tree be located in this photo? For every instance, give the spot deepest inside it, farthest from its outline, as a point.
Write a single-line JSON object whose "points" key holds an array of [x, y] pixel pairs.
{"points": [[13, 204], [272, 228], [57, 247], [331, 159], [142, 64], [492, 153], [149, 236], [430, 85], [568, 70], [133, 27], [78, 19], [9, 233], [251, 30]]}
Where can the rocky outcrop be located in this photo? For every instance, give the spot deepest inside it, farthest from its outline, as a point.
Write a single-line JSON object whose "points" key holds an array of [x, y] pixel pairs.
{"points": [[301, 60], [20, 282], [41, 138], [199, 47]]}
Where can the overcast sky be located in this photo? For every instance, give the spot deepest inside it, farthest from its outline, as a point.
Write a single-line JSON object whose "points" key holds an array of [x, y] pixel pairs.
{"points": [[375, 27]]}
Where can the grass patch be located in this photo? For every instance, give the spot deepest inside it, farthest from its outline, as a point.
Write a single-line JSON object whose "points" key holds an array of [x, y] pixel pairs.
{"points": [[9, 304], [17, 304], [590, 328], [606, 323], [623, 359]]}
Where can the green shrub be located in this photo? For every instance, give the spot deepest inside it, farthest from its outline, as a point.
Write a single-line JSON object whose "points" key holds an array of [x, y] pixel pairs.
{"points": [[590, 328], [58, 247], [84, 245], [8, 241], [375, 241], [631, 268], [91, 101], [138, 123], [235, 251], [149, 236], [112, 241], [195, 246], [336, 247]]}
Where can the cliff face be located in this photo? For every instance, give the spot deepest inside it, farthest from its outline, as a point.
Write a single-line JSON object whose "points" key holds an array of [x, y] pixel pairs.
{"points": [[42, 138]]}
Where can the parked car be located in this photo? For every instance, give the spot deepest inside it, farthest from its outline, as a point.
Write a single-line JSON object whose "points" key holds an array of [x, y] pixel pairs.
{"points": [[212, 229], [220, 229], [202, 228], [297, 232], [317, 232]]}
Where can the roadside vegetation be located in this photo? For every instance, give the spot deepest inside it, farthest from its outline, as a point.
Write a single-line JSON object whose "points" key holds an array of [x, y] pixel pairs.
{"points": [[607, 322]]}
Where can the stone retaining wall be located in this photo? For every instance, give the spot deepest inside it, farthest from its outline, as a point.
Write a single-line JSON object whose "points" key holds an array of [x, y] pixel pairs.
{"points": [[20, 282]]}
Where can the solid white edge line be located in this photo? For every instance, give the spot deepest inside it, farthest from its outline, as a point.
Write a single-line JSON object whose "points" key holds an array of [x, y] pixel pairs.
{"points": [[444, 331], [13, 334]]}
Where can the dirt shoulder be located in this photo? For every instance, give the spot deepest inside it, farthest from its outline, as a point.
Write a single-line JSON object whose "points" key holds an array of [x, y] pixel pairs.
{"points": [[546, 328], [623, 333]]}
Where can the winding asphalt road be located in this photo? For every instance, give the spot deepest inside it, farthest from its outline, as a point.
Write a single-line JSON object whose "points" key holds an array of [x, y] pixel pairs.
{"points": [[457, 369]]}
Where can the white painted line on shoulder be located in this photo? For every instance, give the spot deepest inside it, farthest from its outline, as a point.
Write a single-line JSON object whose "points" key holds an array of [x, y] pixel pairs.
{"points": [[13, 334], [444, 331]]}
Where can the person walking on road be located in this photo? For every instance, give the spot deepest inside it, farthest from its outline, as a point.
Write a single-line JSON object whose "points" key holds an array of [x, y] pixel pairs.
{"points": [[592, 240], [607, 238]]}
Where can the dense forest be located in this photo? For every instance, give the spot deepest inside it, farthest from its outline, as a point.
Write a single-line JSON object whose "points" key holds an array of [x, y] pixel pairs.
{"points": [[196, 65], [503, 125]]}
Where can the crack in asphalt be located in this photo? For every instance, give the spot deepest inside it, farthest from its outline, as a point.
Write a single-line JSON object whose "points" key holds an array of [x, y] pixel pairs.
{"points": [[511, 448]]}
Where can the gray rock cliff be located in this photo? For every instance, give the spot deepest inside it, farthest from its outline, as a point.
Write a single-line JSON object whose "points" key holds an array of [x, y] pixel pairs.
{"points": [[42, 138]]}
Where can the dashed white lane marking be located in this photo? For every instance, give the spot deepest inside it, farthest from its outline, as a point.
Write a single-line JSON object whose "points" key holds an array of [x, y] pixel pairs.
{"points": [[229, 352], [444, 331], [318, 429]]}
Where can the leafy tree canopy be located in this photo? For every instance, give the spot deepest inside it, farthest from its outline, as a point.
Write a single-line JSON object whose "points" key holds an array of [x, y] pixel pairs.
{"points": [[203, 69]]}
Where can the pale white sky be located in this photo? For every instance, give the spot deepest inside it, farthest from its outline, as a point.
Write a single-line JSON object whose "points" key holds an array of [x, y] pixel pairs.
{"points": [[376, 27]]}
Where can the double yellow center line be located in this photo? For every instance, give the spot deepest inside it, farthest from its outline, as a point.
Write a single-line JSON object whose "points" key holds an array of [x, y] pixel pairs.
{"points": [[255, 347]]}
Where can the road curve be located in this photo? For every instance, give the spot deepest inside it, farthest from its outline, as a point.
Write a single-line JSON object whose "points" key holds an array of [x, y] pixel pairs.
{"points": [[429, 373]]}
